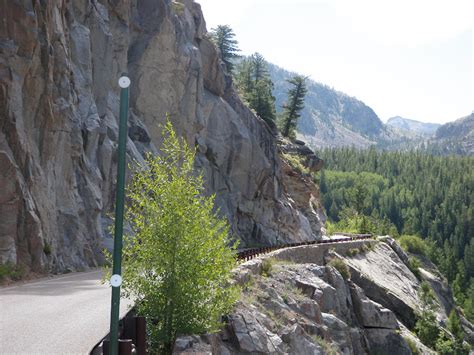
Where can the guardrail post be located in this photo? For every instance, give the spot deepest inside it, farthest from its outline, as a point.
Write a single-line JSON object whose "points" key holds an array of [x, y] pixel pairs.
{"points": [[125, 346], [105, 347], [140, 325]]}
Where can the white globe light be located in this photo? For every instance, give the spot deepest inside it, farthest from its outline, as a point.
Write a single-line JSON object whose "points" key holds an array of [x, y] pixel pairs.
{"points": [[124, 82], [116, 280]]}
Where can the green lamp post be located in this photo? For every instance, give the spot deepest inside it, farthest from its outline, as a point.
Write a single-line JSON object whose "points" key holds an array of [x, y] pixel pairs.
{"points": [[116, 279]]}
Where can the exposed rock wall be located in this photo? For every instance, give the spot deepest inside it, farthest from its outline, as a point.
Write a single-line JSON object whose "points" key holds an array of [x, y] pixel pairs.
{"points": [[59, 65]]}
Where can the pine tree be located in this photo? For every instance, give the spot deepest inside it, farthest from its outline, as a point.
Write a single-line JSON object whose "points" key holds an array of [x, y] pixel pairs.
{"points": [[255, 86], [223, 37], [292, 109]]}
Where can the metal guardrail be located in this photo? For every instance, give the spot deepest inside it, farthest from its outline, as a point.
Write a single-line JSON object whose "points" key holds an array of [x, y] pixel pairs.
{"points": [[249, 254]]}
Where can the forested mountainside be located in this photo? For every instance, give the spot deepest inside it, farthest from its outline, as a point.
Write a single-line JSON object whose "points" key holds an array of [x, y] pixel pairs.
{"points": [[412, 126], [455, 137], [60, 62], [411, 193], [331, 118]]}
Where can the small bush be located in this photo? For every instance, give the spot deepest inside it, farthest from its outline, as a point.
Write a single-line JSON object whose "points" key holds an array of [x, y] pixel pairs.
{"points": [[11, 271], [367, 247], [413, 244], [267, 266], [178, 8], [296, 162], [340, 266], [47, 248], [412, 345], [352, 252], [414, 266], [328, 348]]}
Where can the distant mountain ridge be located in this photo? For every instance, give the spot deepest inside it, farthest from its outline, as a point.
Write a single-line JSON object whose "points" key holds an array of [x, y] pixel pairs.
{"points": [[455, 137], [331, 118], [417, 127]]}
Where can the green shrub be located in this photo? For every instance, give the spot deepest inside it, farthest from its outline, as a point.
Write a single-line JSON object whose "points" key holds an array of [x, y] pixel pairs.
{"points": [[426, 327], [414, 266], [367, 247], [296, 162], [178, 8], [340, 266], [413, 244], [412, 346], [47, 248], [11, 271], [267, 266], [353, 251], [328, 348]]}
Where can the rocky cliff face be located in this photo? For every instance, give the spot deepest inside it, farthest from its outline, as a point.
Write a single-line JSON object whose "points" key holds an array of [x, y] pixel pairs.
{"points": [[59, 65]]}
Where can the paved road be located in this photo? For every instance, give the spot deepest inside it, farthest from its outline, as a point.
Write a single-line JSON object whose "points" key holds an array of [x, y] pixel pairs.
{"points": [[62, 315]]}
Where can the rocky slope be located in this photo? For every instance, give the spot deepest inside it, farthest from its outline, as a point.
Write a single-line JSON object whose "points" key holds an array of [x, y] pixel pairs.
{"points": [[59, 65], [455, 137], [300, 303], [414, 127]]}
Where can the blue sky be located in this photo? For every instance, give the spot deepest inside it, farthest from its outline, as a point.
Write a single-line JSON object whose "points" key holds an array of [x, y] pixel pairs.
{"points": [[412, 58]]}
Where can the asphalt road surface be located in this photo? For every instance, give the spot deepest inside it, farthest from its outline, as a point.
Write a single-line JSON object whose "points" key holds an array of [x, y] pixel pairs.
{"points": [[62, 315]]}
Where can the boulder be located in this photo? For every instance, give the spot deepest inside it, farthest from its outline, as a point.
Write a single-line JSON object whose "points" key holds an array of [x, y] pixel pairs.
{"points": [[386, 341], [299, 342], [371, 314]]}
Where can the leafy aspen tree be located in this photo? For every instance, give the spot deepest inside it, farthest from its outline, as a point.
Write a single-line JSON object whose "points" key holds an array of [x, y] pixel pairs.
{"points": [[177, 261]]}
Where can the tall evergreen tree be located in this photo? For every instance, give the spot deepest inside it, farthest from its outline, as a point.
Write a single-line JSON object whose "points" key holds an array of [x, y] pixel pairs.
{"points": [[292, 109], [255, 86], [223, 37]]}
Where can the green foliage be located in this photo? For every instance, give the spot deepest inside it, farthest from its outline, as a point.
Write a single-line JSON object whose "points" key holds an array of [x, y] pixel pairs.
{"points": [[178, 8], [255, 86], [413, 244], [177, 262], [223, 38], [454, 325], [294, 105], [351, 222], [413, 193], [329, 349], [47, 248], [412, 345], [426, 327], [353, 252], [296, 163], [414, 266], [340, 266], [267, 266], [469, 302], [445, 345], [11, 271]]}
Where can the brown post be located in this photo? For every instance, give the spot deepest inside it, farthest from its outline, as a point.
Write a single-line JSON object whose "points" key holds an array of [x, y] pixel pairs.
{"points": [[125, 346], [141, 335], [105, 347]]}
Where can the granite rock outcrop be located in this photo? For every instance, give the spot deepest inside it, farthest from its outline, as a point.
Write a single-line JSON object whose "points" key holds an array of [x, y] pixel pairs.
{"points": [[59, 65]]}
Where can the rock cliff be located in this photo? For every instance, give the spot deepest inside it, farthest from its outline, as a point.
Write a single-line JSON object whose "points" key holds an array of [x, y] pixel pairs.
{"points": [[59, 65], [299, 301]]}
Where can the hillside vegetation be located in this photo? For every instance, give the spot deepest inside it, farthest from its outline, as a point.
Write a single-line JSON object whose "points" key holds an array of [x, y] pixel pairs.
{"points": [[408, 193]]}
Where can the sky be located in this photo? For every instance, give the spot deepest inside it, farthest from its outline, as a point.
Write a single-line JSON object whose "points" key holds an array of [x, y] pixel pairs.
{"points": [[409, 58]]}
